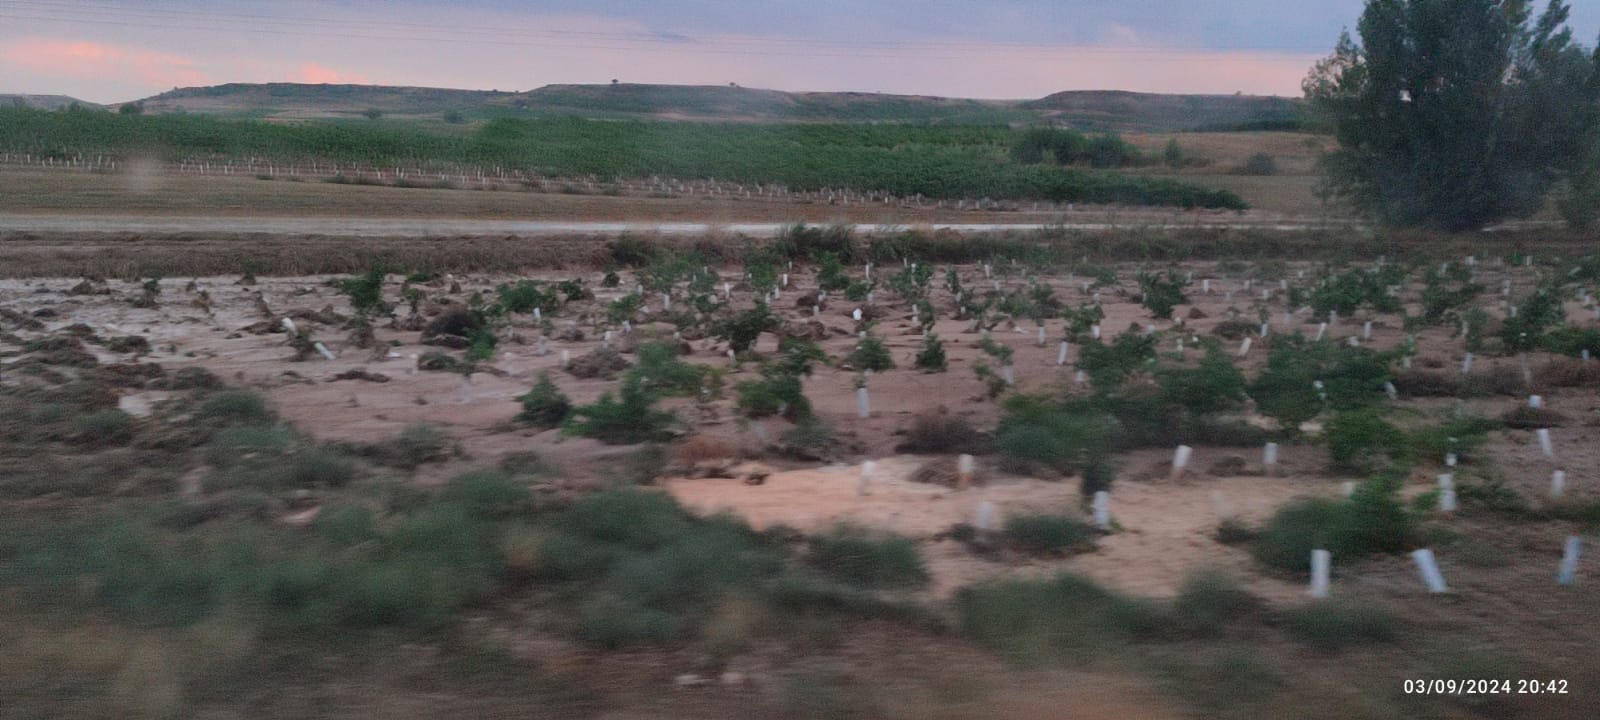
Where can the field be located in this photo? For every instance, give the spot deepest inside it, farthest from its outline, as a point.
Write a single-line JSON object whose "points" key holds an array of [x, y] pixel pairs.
{"points": [[967, 162], [634, 477]]}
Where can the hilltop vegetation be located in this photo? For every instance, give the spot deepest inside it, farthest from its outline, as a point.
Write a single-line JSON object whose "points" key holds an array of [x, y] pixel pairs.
{"points": [[1084, 110]]}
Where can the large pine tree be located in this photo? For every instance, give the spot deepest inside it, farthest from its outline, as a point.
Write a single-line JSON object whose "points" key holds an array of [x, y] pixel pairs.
{"points": [[1455, 114]]}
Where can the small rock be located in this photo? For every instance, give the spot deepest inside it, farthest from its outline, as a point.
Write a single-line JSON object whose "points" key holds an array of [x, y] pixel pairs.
{"points": [[688, 680]]}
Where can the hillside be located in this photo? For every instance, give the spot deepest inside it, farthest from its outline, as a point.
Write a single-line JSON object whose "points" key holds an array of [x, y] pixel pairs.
{"points": [[42, 102], [1089, 110], [1124, 111]]}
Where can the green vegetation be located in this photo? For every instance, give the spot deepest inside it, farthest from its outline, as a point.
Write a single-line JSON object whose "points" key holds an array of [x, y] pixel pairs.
{"points": [[867, 558], [1042, 533], [1370, 522], [544, 406], [1058, 619], [624, 419], [1510, 106], [1329, 626], [905, 160]]}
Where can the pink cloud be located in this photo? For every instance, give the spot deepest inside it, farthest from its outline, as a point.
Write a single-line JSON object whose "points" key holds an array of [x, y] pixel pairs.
{"points": [[321, 74], [86, 59]]}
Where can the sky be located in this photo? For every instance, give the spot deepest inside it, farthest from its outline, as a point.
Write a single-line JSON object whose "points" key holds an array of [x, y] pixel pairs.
{"points": [[117, 50]]}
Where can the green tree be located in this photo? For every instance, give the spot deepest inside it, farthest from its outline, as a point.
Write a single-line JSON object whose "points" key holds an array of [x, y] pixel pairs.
{"points": [[1454, 114]]}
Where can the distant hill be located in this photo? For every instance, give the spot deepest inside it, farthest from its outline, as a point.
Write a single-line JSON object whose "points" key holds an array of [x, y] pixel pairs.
{"points": [[42, 102], [1118, 110], [1087, 110]]}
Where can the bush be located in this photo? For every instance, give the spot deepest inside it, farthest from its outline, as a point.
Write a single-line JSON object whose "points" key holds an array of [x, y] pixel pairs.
{"points": [[775, 393], [622, 420], [1572, 341], [870, 354], [936, 431], [743, 329], [345, 525], [1209, 600], [103, 428], [231, 446], [235, 407], [660, 371], [1065, 439], [1329, 626], [1057, 618], [366, 291], [864, 558], [611, 623], [931, 357], [1211, 387], [1370, 522], [415, 445], [319, 467], [1162, 293], [1259, 164], [544, 406], [1048, 534], [1109, 366], [1361, 442], [488, 494]]}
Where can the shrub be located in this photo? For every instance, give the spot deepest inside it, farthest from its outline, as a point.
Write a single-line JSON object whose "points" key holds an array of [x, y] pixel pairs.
{"points": [[624, 419], [1370, 522], [1209, 600], [525, 296], [1109, 366], [931, 357], [235, 407], [366, 291], [1061, 617], [233, 445], [488, 494], [871, 354], [1212, 386], [1037, 430], [103, 428], [743, 329], [775, 393], [1041, 533], [936, 431], [1259, 164], [1572, 341], [318, 466], [1536, 314], [1162, 293], [660, 371], [809, 439], [345, 525], [612, 623], [1329, 626], [545, 406], [417, 444], [868, 559], [1361, 442]]}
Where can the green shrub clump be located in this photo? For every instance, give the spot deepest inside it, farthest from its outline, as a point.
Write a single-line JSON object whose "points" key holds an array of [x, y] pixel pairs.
{"points": [[1370, 522], [868, 559], [544, 406], [1043, 533], [626, 418]]}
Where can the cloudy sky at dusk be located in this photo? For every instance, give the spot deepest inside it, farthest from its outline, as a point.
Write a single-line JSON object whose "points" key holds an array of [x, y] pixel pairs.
{"points": [[115, 50]]}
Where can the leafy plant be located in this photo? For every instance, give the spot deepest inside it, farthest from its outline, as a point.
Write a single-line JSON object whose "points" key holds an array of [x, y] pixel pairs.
{"points": [[625, 419], [1162, 293], [545, 405], [931, 358]]}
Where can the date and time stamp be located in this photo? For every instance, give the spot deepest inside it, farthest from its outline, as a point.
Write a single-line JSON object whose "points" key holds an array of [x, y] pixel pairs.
{"points": [[1486, 686]]}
